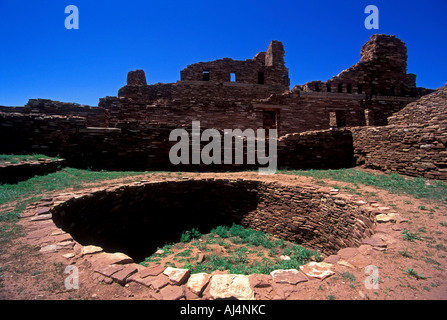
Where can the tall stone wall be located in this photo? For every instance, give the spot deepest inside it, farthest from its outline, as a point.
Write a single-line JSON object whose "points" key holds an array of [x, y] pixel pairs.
{"points": [[415, 144], [382, 70]]}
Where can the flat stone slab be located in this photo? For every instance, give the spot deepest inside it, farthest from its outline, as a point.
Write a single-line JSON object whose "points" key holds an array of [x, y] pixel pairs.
{"points": [[260, 280], [116, 258], [177, 276], [172, 293], [49, 248], [320, 270], [197, 282], [44, 210], [290, 276], [109, 270], [159, 282], [383, 218], [41, 217], [375, 241], [90, 250], [348, 252], [151, 271], [231, 286], [122, 275]]}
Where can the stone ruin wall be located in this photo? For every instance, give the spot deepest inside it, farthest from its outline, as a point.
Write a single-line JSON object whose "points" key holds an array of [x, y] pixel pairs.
{"points": [[414, 144], [136, 145], [134, 126]]}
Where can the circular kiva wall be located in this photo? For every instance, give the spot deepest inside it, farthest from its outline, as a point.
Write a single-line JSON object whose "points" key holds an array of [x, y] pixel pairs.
{"points": [[137, 219]]}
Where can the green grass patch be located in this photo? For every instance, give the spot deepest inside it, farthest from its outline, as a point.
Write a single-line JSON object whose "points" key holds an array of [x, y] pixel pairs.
{"points": [[393, 183], [410, 236], [415, 274], [15, 158], [66, 178], [241, 245]]}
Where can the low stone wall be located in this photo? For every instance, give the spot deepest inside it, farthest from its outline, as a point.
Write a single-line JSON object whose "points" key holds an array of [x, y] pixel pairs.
{"points": [[325, 149], [136, 145], [13, 173], [408, 150]]}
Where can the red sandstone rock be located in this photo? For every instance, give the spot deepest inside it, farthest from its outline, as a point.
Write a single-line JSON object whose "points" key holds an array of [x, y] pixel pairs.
{"points": [[151, 271], [172, 292], [291, 276], [320, 270], [122, 275], [177, 276], [197, 282]]}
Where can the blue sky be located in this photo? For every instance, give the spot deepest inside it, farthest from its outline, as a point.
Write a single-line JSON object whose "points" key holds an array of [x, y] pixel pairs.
{"points": [[41, 59]]}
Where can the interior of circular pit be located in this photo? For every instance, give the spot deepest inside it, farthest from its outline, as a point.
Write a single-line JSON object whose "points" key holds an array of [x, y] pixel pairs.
{"points": [[138, 219]]}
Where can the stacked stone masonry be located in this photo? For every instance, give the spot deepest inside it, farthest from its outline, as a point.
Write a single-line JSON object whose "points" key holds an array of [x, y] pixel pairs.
{"points": [[39, 220], [356, 117]]}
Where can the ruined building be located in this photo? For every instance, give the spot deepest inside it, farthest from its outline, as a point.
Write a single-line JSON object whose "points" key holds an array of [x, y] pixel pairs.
{"points": [[318, 122]]}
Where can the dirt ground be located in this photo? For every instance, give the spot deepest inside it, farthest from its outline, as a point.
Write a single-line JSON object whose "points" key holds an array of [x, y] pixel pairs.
{"points": [[26, 274]]}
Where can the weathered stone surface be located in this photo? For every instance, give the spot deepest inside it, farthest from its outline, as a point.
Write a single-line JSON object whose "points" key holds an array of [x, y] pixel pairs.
{"points": [[151, 271], [227, 286], [116, 258], [383, 218], [122, 275], [172, 293], [108, 270], [320, 270], [159, 282], [44, 210], [197, 282], [260, 280], [41, 217], [49, 248], [90, 250], [177, 276], [332, 259], [375, 241], [348, 253], [291, 276]]}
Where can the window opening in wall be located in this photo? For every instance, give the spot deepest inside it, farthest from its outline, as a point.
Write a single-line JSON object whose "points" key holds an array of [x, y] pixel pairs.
{"points": [[359, 89], [349, 88], [337, 118], [373, 89], [317, 87], [392, 91], [260, 77], [233, 77], [206, 76], [328, 87], [340, 88], [270, 119]]}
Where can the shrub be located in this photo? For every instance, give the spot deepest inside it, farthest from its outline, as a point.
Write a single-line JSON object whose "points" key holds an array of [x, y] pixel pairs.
{"points": [[189, 235]]}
